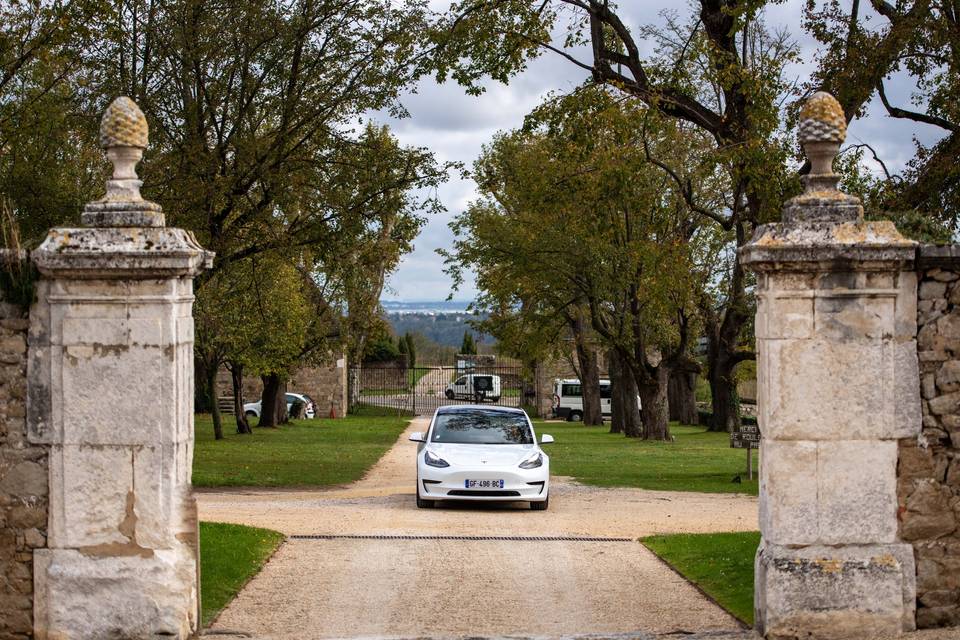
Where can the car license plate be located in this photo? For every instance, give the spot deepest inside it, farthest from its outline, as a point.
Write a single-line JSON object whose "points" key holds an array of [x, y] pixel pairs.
{"points": [[483, 484]]}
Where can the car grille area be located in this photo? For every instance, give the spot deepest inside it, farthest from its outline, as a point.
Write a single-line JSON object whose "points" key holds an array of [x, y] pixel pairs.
{"points": [[484, 493]]}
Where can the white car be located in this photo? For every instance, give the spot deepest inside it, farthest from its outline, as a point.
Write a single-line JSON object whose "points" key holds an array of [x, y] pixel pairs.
{"points": [[474, 386], [310, 410], [475, 452]]}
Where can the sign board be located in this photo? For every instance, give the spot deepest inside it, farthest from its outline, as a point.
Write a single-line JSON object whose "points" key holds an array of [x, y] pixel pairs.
{"points": [[745, 436]]}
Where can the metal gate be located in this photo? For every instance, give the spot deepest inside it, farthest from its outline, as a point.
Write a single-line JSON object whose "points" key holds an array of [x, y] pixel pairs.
{"points": [[422, 389]]}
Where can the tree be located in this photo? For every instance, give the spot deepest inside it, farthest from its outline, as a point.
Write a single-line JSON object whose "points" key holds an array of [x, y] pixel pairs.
{"points": [[382, 349], [868, 43], [411, 349], [627, 261], [41, 74], [253, 314], [468, 347], [718, 72]]}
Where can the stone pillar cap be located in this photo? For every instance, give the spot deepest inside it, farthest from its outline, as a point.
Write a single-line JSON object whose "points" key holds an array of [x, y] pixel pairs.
{"points": [[124, 134], [823, 228], [823, 128], [124, 236]]}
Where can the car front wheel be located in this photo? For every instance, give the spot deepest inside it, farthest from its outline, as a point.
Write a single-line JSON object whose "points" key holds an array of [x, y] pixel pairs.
{"points": [[449, 394], [421, 503], [540, 506]]}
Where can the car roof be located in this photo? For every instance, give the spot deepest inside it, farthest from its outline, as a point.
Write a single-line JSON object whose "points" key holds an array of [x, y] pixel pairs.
{"points": [[473, 407]]}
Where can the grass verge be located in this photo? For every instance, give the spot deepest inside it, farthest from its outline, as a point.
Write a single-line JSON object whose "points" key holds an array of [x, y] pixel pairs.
{"points": [[230, 555], [307, 453], [721, 564], [699, 460]]}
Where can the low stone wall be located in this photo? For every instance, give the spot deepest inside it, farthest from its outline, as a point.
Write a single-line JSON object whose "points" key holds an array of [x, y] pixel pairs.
{"points": [[326, 384], [23, 482], [928, 482]]}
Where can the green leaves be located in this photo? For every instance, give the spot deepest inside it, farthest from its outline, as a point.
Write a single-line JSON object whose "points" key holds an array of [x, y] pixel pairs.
{"points": [[574, 216]]}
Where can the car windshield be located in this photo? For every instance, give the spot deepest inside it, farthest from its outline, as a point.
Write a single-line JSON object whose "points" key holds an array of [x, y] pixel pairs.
{"points": [[481, 426]]}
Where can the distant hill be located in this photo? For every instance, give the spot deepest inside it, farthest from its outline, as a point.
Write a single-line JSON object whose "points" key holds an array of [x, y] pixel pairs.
{"points": [[445, 329], [424, 306]]}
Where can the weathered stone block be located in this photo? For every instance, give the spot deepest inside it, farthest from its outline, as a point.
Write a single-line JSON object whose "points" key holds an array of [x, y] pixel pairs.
{"points": [[932, 290], [130, 380], [834, 592], [945, 404], [786, 316], [928, 514], [24, 479], [90, 494], [851, 318], [948, 376], [857, 492], [89, 597], [789, 512], [816, 390]]}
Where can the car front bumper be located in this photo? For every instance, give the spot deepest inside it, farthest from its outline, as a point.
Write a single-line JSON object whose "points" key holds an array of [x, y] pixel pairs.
{"points": [[527, 485]]}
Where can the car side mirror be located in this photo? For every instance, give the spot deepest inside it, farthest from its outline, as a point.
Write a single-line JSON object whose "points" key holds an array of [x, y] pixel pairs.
{"points": [[417, 436], [546, 438]]}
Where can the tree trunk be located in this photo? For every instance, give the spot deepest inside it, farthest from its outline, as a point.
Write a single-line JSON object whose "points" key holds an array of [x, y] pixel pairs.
{"points": [[624, 394], [616, 402], [681, 395], [283, 417], [354, 386], [724, 403], [723, 336], [273, 403], [589, 382], [201, 396], [236, 377], [655, 407], [211, 373]]}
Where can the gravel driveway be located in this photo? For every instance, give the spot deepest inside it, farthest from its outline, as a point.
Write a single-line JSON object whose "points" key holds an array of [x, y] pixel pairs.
{"points": [[335, 588]]}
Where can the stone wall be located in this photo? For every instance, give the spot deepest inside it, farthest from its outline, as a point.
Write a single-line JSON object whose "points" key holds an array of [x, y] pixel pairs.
{"points": [[326, 384], [929, 466], [23, 482]]}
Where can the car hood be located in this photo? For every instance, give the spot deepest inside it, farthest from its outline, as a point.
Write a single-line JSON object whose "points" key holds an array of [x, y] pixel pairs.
{"points": [[471, 454]]}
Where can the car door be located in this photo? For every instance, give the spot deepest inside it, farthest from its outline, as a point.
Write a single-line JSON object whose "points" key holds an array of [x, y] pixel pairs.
{"points": [[460, 387]]}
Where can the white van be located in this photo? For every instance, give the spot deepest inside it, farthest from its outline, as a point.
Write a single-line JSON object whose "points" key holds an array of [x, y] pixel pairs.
{"points": [[568, 399], [474, 386]]}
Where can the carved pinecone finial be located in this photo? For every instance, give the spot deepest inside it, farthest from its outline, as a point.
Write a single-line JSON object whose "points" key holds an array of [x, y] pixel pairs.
{"points": [[123, 125], [822, 120]]}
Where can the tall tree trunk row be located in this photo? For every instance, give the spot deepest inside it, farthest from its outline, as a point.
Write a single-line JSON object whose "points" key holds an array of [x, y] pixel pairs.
{"points": [[236, 378], [589, 375], [654, 406]]}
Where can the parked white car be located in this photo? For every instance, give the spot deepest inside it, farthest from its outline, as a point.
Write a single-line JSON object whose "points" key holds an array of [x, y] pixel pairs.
{"points": [[475, 452], [310, 409], [477, 387]]}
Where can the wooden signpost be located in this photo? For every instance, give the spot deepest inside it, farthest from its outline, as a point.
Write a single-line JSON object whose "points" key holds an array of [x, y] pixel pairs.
{"points": [[746, 436]]}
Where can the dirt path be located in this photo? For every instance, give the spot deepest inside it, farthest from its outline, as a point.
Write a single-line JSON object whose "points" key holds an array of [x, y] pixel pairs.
{"points": [[442, 588]]}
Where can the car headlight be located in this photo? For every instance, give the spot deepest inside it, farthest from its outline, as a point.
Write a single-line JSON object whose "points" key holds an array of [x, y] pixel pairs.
{"points": [[434, 460], [532, 462]]}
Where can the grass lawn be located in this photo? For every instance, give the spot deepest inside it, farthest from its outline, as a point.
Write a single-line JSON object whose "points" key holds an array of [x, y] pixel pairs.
{"points": [[699, 460], [719, 563], [304, 453], [230, 554]]}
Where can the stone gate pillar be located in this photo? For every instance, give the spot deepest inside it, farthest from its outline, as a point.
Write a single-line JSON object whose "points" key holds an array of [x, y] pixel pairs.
{"points": [[111, 393], [838, 385]]}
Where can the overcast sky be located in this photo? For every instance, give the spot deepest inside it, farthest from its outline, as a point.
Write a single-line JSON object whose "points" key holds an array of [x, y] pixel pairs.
{"points": [[455, 126]]}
